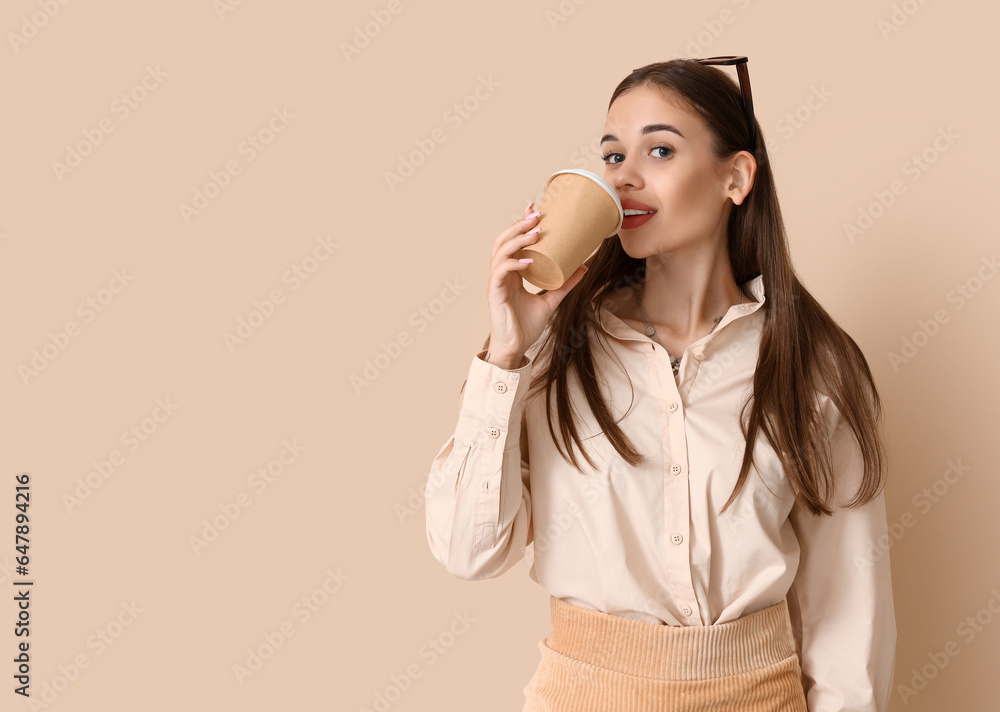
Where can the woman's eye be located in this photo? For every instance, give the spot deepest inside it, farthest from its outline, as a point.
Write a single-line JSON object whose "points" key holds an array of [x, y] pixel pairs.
{"points": [[669, 151]]}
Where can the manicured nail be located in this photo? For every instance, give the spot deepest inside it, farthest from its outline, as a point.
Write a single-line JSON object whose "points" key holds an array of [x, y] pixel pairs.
{"points": [[529, 206], [533, 215], [526, 259], [533, 230]]}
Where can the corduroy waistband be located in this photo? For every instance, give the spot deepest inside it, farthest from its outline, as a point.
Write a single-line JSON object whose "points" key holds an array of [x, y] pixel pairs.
{"points": [[669, 652]]}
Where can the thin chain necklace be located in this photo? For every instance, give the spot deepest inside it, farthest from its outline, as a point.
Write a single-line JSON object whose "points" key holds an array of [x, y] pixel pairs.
{"points": [[675, 363]]}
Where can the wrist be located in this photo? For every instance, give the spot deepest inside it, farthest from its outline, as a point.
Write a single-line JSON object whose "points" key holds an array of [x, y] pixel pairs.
{"points": [[506, 362]]}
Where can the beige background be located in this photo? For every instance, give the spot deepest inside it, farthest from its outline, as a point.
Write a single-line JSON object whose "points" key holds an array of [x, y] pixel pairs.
{"points": [[342, 509]]}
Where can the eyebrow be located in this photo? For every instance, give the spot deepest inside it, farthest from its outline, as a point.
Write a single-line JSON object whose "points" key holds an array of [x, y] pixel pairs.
{"points": [[647, 129]]}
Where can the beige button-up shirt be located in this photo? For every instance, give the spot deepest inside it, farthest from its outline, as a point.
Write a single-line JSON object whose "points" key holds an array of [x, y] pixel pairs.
{"points": [[647, 542]]}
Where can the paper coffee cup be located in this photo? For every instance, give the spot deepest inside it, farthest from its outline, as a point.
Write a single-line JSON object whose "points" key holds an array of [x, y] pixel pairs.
{"points": [[578, 211]]}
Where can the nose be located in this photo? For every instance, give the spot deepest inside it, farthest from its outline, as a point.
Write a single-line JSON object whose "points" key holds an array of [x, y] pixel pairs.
{"points": [[623, 175]]}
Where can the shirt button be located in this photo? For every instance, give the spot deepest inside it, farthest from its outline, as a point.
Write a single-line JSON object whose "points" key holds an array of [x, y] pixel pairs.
{"points": [[500, 387], [699, 356], [493, 432], [672, 407], [677, 538], [675, 469], [686, 610]]}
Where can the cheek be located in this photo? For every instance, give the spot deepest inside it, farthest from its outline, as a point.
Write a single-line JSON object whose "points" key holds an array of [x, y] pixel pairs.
{"points": [[693, 186], [696, 196]]}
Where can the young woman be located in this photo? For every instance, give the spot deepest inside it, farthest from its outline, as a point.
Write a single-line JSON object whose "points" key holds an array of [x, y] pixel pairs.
{"points": [[716, 545]]}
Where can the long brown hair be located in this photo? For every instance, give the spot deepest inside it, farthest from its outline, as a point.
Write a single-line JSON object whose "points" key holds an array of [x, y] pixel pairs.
{"points": [[803, 350]]}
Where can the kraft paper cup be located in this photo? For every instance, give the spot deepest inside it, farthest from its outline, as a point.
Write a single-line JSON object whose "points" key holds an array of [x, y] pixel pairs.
{"points": [[578, 211]]}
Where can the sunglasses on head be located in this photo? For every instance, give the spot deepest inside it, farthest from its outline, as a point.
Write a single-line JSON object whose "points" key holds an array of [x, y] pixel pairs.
{"points": [[744, 76]]}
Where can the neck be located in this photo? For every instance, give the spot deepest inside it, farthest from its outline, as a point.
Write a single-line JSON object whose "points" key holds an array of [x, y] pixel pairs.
{"points": [[682, 296]]}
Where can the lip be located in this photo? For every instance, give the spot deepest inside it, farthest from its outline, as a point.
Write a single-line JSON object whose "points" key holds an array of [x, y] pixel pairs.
{"points": [[633, 221], [629, 204]]}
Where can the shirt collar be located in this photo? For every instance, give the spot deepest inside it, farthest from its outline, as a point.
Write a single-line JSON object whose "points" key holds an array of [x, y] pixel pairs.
{"points": [[619, 329]]}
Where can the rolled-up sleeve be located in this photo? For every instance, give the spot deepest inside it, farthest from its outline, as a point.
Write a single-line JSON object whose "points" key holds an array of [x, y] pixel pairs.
{"points": [[477, 496], [840, 602]]}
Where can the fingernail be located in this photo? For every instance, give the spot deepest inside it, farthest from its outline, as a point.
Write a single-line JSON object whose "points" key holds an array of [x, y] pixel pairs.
{"points": [[533, 215], [529, 206], [533, 230], [526, 259]]}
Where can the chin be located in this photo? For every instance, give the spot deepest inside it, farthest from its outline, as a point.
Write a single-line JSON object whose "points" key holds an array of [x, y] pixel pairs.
{"points": [[635, 248]]}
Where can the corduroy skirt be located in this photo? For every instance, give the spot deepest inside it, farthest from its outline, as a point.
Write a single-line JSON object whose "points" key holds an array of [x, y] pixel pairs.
{"points": [[598, 662]]}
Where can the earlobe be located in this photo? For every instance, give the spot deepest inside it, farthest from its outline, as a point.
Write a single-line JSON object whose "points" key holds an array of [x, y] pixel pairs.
{"points": [[736, 193], [739, 196]]}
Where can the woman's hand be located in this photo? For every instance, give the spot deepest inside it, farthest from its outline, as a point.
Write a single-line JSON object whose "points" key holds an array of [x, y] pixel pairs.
{"points": [[518, 317]]}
